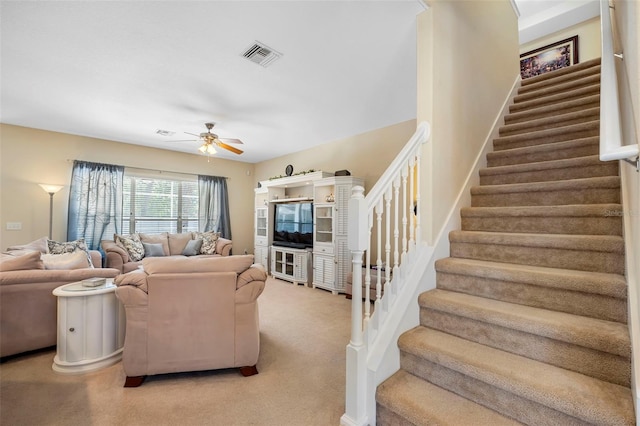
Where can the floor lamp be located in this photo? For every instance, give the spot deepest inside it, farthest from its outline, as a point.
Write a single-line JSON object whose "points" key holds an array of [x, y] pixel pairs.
{"points": [[50, 189]]}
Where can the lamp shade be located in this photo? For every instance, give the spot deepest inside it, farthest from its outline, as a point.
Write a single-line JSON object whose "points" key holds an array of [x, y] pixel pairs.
{"points": [[51, 189]]}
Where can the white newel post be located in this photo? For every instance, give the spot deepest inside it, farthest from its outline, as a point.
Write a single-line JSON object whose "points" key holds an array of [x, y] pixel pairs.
{"points": [[356, 374]]}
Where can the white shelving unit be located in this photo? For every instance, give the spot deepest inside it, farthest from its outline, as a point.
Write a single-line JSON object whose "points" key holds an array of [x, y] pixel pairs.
{"points": [[330, 258]]}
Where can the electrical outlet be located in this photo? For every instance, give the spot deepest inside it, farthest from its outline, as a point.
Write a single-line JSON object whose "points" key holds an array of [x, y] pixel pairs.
{"points": [[14, 226]]}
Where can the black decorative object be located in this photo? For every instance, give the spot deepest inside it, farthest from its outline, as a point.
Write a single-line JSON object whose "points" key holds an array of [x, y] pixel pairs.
{"points": [[289, 170], [342, 173]]}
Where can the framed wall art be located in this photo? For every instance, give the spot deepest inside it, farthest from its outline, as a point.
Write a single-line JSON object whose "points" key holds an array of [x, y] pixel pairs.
{"points": [[563, 53]]}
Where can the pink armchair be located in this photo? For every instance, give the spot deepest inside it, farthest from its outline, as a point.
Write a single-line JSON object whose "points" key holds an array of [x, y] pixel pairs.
{"points": [[191, 314]]}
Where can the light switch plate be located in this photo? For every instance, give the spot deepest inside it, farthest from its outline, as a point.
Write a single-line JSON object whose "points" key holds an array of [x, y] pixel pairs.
{"points": [[14, 226]]}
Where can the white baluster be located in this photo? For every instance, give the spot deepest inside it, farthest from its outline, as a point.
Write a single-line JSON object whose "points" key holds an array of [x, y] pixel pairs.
{"points": [[418, 195], [404, 212], [396, 219], [367, 274], [412, 192]]}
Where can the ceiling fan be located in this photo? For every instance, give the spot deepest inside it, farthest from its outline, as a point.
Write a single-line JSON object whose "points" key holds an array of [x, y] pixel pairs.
{"points": [[210, 139]]}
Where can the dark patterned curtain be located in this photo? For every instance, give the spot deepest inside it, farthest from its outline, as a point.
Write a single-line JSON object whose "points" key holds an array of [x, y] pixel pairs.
{"points": [[213, 208], [95, 202]]}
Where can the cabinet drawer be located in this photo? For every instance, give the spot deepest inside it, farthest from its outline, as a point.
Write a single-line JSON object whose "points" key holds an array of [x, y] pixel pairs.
{"points": [[323, 249]]}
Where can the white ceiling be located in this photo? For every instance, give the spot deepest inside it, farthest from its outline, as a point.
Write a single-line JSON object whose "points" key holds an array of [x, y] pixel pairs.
{"points": [[121, 70], [542, 17]]}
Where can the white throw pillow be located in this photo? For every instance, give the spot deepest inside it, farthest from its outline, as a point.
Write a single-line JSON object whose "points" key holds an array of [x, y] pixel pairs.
{"points": [[65, 261]]}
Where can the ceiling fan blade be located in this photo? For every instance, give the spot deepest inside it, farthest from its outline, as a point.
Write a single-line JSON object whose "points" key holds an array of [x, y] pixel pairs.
{"points": [[229, 140], [186, 140], [229, 148], [193, 134]]}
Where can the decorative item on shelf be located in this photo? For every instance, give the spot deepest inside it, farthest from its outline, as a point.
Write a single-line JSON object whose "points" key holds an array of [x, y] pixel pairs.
{"points": [[289, 170], [330, 198], [294, 174], [275, 197], [342, 173], [266, 203]]}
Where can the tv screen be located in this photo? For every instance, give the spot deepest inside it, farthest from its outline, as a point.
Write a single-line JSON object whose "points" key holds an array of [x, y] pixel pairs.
{"points": [[293, 225]]}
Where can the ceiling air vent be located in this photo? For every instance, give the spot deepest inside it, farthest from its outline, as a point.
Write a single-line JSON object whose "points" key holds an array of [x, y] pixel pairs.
{"points": [[261, 54]]}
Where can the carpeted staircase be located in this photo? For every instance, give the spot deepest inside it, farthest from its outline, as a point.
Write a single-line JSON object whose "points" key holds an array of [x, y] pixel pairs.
{"points": [[528, 320]]}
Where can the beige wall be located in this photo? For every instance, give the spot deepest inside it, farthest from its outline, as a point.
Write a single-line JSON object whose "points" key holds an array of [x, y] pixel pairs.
{"points": [[365, 156], [466, 67], [588, 33], [30, 156], [627, 20]]}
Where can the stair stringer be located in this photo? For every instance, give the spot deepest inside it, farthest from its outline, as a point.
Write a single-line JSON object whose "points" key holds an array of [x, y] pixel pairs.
{"points": [[383, 358]]}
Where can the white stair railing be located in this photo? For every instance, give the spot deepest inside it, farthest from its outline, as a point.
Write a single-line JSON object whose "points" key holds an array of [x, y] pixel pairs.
{"points": [[611, 145], [386, 223]]}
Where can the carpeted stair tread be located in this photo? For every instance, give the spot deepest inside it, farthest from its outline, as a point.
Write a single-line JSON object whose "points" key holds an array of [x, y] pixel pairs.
{"points": [[554, 121], [591, 294], [605, 336], [601, 243], [547, 152], [612, 285], [540, 171], [592, 219], [564, 86], [595, 253], [590, 101], [548, 136], [596, 190], [577, 68], [578, 93], [573, 394], [527, 86], [422, 403]]}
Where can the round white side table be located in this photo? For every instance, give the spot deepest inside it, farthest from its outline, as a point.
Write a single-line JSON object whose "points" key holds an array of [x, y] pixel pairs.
{"points": [[91, 328]]}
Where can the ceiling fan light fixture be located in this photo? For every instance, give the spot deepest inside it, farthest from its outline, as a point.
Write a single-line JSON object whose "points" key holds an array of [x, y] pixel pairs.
{"points": [[207, 148]]}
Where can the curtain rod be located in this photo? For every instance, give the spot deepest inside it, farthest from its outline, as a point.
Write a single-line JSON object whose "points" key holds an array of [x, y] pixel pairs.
{"points": [[148, 170]]}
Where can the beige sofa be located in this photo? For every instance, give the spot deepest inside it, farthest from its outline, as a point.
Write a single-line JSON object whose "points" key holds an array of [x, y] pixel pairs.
{"points": [[172, 244], [191, 314], [28, 309]]}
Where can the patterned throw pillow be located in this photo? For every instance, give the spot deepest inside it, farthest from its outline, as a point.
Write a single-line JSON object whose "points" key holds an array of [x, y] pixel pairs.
{"points": [[56, 247], [132, 245], [209, 240]]}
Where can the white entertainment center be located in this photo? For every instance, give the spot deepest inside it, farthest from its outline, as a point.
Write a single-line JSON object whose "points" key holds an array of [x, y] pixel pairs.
{"points": [[323, 261]]}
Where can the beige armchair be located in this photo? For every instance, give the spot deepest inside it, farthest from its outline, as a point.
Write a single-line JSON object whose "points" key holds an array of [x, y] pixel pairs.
{"points": [[191, 314]]}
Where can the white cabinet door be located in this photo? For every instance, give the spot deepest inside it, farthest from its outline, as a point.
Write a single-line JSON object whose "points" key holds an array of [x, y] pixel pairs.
{"points": [[261, 255], [324, 274]]}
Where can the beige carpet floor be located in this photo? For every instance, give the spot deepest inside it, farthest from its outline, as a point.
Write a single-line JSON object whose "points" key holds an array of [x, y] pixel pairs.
{"points": [[304, 333]]}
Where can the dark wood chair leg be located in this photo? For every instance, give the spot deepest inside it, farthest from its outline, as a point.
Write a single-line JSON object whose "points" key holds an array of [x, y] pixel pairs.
{"points": [[134, 382], [248, 371]]}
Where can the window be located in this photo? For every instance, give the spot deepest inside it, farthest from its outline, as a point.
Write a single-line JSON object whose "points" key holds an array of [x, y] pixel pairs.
{"points": [[159, 204]]}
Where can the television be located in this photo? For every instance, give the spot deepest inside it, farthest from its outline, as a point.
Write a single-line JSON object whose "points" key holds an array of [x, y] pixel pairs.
{"points": [[293, 224]]}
